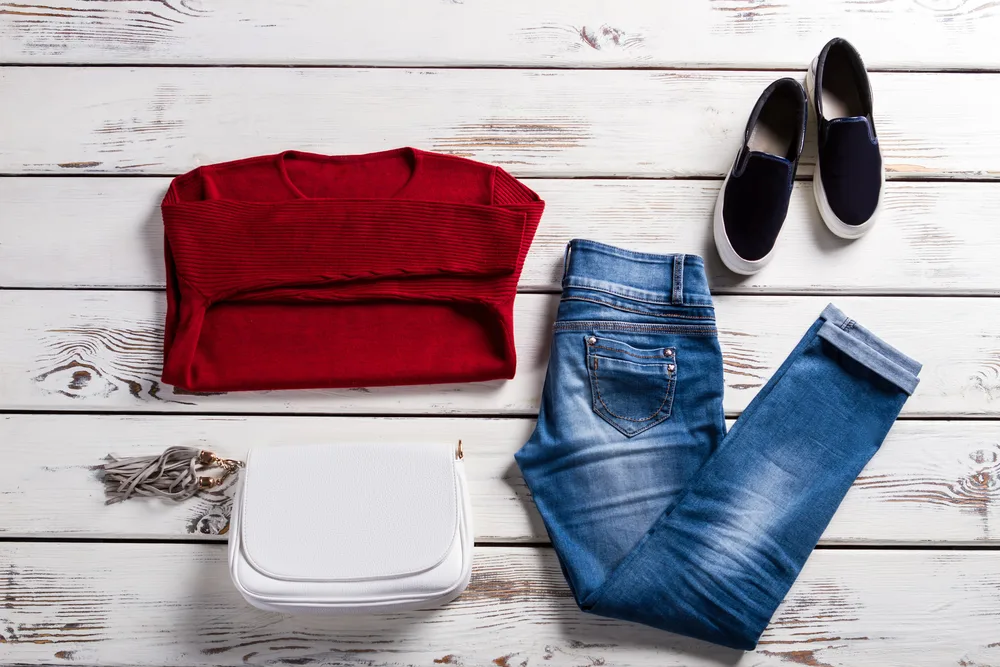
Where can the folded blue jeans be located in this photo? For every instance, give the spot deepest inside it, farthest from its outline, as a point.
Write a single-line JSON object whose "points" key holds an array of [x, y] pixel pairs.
{"points": [[659, 516]]}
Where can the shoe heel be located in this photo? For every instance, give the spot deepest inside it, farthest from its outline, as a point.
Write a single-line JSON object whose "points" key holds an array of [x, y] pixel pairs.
{"points": [[811, 91], [811, 80]]}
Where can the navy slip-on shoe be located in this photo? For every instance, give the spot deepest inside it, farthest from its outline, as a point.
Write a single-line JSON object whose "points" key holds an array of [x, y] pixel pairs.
{"points": [[850, 178], [753, 201]]}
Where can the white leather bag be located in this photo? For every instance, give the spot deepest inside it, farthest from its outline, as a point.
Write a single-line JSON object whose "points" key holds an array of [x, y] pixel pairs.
{"points": [[351, 528]]}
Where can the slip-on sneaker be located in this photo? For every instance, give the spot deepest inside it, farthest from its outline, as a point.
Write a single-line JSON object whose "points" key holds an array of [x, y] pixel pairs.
{"points": [[753, 201], [849, 178]]}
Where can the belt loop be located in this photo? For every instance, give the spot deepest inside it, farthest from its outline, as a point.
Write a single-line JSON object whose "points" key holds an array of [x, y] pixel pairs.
{"points": [[677, 293], [569, 247]]}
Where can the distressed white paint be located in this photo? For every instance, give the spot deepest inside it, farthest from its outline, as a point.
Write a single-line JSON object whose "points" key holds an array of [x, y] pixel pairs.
{"points": [[564, 33], [932, 238], [164, 605], [84, 350], [534, 122], [931, 482]]}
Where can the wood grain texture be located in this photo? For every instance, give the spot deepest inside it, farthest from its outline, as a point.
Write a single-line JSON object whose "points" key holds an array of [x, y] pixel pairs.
{"points": [[932, 238], [534, 122], [85, 350], [934, 483], [560, 33], [157, 604], [931, 483]]}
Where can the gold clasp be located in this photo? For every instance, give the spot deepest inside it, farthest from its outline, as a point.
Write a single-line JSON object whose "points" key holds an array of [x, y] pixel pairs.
{"points": [[229, 467], [459, 454], [205, 483]]}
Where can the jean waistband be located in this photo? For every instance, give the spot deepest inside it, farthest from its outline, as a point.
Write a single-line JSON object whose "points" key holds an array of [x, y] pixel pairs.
{"points": [[667, 279]]}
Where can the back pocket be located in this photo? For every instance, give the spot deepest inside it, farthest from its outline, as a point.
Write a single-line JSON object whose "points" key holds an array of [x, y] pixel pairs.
{"points": [[632, 388]]}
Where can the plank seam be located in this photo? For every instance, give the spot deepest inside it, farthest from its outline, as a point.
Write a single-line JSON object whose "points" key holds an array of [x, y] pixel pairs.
{"points": [[476, 67], [707, 178], [485, 544], [393, 415]]}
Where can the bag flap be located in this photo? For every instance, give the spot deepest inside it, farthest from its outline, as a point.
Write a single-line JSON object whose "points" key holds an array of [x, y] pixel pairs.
{"points": [[349, 511]]}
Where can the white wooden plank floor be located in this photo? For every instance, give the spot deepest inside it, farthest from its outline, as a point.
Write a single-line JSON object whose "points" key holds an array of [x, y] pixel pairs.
{"points": [[755, 34], [563, 123], [932, 241], [933, 483], [105, 100]]}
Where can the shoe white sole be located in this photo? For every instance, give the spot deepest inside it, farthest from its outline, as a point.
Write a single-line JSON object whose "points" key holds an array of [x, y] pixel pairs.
{"points": [[833, 223], [729, 256]]}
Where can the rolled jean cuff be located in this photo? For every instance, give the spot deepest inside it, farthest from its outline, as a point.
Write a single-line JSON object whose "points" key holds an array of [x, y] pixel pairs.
{"points": [[868, 349]]}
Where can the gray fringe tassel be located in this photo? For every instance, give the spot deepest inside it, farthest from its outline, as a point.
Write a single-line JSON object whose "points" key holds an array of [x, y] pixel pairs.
{"points": [[176, 474]]}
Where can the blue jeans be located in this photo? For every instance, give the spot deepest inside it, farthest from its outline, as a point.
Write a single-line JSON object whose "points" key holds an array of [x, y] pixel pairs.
{"points": [[659, 516]]}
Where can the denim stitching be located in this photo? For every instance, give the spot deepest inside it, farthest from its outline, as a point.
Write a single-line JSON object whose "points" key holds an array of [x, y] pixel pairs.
{"points": [[637, 312], [633, 298], [631, 354], [670, 385], [634, 327], [677, 290]]}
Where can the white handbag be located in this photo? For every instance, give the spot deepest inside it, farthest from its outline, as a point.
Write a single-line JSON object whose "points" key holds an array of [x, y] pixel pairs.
{"points": [[351, 528]]}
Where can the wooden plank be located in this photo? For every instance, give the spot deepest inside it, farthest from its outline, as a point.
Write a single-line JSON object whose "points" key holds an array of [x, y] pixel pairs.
{"points": [[535, 122], [82, 229], [559, 33], [933, 237], [160, 604], [931, 483], [84, 350], [56, 455]]}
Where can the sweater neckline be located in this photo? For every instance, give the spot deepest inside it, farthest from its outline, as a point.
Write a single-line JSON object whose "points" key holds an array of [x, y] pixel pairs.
{"points": [[412, 155]]}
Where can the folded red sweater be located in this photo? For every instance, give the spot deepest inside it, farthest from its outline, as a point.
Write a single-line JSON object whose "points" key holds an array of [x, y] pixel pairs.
{"points": [[299, 270]]}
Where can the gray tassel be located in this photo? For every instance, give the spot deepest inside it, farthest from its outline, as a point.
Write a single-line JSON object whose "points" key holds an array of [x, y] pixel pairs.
{"points": [[176, 474]]}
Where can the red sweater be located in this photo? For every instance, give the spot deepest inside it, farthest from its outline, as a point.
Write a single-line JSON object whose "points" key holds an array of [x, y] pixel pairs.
{"points": [[299, 270]]}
